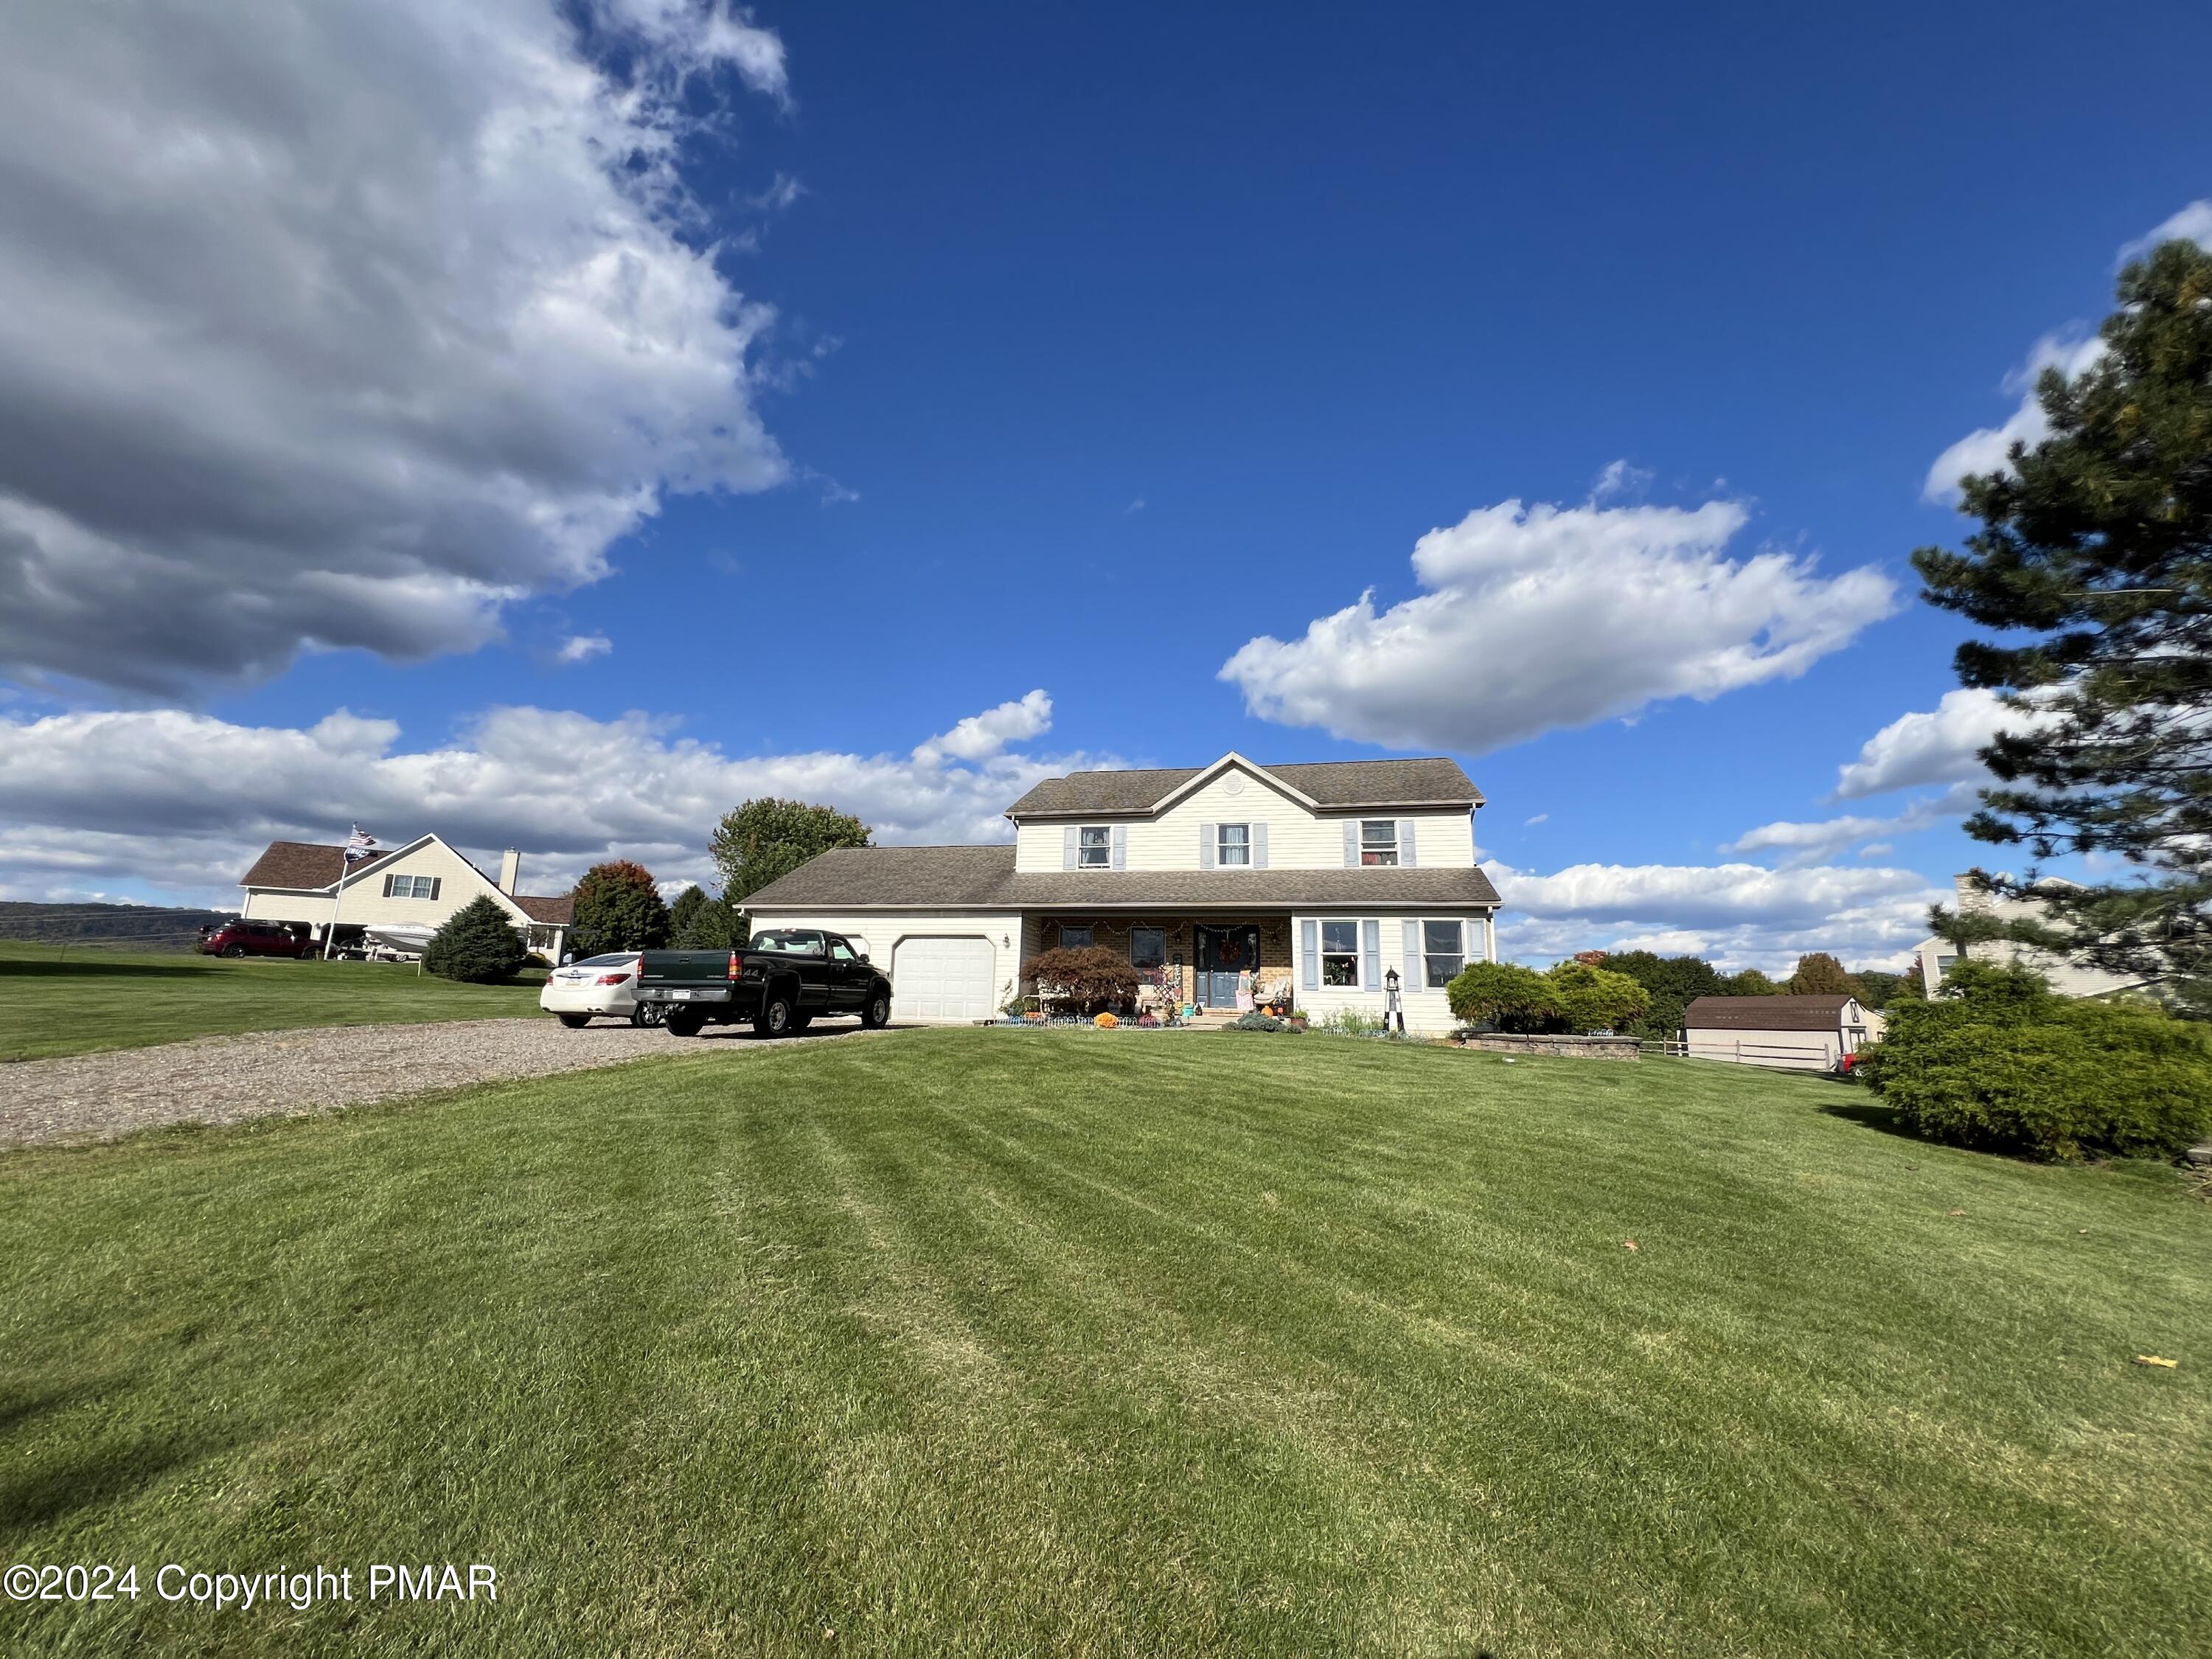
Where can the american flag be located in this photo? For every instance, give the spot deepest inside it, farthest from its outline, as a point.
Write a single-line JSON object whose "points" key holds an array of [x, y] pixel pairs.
{"points": [[359, 845]]}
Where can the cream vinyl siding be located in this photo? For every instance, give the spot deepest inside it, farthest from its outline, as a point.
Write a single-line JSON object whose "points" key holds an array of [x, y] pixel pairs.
{"points": [[458, 882], [365, 906], [1426, 1011], [1297, 839], [882, 930]]}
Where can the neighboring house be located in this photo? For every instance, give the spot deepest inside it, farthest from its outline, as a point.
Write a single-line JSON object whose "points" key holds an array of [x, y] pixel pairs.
{"points": [[1809, 1033], [1937, 957], [1230, 878], [417, 885]]}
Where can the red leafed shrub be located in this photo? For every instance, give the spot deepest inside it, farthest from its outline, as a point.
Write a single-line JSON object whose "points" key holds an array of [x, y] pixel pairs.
{"points": [[1088, 980]]}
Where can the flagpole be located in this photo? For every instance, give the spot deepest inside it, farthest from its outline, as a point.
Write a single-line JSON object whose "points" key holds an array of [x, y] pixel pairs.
{"points": [[337, 895]]}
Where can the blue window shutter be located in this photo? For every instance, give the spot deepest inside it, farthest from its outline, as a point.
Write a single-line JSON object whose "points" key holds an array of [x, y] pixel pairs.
{"points": [[1120, 839], [1417, 975], [388, 886], [1352, 843], [1068, 841], [1405, 843], [1370, 942], [1472, 930], [1260, 846], [1310, 953], [1207, 833], [436, 882]]}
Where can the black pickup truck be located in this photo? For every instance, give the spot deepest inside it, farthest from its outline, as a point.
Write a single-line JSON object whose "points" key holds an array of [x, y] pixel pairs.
{"points": [[782, 981]]}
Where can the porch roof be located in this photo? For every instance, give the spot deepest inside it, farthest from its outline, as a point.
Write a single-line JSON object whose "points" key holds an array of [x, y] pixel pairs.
{"points": [[983, 878]]}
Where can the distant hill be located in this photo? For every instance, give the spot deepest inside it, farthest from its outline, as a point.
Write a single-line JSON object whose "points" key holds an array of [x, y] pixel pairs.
{"points": [[140, 927]]}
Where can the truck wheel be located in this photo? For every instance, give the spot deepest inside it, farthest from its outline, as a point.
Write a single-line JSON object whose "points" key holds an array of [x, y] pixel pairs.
{"points": [[684, 1025], [648, 1013], [575, 1022], [878, 1013], [774, 1020]]}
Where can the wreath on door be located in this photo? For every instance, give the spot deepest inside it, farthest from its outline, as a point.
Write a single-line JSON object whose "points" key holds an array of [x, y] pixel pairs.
{"points": [[1227, 951]]}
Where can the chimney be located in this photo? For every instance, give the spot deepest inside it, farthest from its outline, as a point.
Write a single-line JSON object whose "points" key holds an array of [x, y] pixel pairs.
{"points": [[510, 871]]}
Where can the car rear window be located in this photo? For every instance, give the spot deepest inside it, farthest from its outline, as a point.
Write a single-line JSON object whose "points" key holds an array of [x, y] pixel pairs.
{"points": [[621, 959], [789, 943]]}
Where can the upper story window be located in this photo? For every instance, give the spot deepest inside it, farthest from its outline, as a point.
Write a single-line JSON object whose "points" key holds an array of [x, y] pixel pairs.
{"points": [[1233, 843], [1094, 848], [1378, 840], [412, 887]]}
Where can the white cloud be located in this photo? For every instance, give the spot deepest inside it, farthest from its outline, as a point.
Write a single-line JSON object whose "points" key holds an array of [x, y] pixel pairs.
{"points": [[348, 325], [183, 802], [2192, 223], [1540, 817], [1541, 616], [1940, 745], [582, 647], [1799, 843], [1740, 915], [982, 736], [1988, 448], [1619, 479]]}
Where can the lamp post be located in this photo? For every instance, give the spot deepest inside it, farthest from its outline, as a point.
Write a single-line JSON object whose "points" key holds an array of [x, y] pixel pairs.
{"points": [[1393, 1011]]}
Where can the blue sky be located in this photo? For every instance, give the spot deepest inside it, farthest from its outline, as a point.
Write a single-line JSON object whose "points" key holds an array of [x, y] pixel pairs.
{"points": [[1104, 341]]}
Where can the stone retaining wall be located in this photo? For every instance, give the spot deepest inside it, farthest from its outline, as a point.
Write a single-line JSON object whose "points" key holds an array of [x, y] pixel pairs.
{"points": [[1574, 1047]]}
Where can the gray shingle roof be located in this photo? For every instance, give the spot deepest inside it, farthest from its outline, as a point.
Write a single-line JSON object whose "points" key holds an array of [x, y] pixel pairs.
{"points": [[1430, 781], [982, 878], [1810, 1013]]}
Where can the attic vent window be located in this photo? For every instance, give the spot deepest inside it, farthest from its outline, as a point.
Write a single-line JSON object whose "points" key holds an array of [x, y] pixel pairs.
{"points": [[1235, 786]]}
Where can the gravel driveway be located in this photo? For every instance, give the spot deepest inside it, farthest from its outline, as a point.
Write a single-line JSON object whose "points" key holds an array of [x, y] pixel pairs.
{"points": [[226, 1079]]}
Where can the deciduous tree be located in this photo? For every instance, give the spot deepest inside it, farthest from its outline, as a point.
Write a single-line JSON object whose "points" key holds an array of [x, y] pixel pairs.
{"points": [[618, 907], [767, 838]]}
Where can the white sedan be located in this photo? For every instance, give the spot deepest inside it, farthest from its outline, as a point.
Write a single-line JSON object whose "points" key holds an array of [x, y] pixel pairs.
{"points": [[599, 986]]}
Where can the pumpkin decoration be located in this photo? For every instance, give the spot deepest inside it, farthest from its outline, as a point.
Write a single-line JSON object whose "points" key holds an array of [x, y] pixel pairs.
{"points": [[1105, 1021]]}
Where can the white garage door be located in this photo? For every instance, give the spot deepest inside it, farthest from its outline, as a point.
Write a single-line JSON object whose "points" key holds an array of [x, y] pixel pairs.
{"points": [[941, 979]]}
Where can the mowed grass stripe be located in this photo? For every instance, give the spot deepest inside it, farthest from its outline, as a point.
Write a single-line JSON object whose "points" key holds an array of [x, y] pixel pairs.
{"points": [[86, 999], [982, 1342]]}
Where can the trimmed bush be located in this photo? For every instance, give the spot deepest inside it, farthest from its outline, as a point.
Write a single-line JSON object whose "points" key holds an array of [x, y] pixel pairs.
{"points": [[1503, 994], [1256, 1021], [1090, 977], [1998, 1063], [478, 945], [1596, 998]]}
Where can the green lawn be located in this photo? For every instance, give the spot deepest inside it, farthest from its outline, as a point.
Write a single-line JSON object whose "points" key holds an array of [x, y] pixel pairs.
{"points": [[981, 1342], [57, 1001]]}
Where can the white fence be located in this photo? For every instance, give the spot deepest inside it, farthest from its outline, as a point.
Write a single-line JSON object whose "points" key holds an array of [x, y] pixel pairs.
{"points": [[1821, 1054]]}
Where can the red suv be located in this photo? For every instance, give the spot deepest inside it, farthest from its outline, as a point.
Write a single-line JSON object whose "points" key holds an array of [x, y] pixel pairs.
{"points": [[251, 939]]}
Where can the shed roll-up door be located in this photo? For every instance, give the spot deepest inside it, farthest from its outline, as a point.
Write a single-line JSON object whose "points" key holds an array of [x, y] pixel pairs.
{"points": [[941, 978]]}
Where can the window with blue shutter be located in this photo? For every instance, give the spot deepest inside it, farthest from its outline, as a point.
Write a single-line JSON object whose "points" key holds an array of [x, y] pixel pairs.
{"points": [[1310, 954]]}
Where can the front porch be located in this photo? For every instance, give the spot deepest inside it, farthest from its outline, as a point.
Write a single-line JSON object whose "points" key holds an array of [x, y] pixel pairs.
{"points": [[1220, 963]]}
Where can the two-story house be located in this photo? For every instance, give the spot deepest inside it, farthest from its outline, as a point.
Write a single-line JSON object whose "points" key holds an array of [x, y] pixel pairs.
{"points": [[1332, 875]]}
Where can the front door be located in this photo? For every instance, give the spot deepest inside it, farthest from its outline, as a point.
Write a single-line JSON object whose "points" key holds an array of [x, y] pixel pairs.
{"points": [[1223, 954]]}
